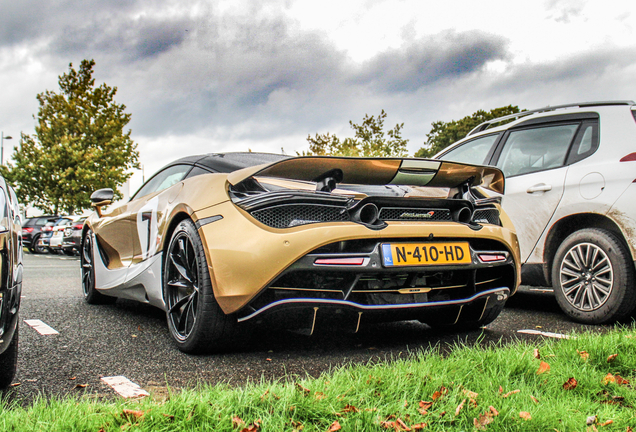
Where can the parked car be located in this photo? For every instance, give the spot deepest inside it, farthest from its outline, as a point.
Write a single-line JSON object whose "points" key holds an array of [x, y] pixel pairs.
{"points": [[73, 237], [222, 239], [51, 236], [57, 236], [10, 281], [31, 232], [570, 186]]}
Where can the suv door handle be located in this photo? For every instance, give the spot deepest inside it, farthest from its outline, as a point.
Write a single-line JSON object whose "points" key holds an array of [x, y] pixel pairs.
{"points": [[541, 187]]}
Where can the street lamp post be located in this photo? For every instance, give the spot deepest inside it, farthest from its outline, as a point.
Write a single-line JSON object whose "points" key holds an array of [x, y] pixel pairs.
{"points": [[8, 137]]}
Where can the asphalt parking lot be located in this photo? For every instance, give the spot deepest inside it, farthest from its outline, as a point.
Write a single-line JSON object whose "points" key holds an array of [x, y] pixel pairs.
{"points": [[131, 339]]}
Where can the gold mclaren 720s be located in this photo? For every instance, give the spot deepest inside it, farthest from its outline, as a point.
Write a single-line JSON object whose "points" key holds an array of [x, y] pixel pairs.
{"points": [[221, 240]]}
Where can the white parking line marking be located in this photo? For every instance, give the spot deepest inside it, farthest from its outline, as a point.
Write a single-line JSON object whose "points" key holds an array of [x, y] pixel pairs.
{"points": [[41, 328], [546, 334], [125, 387]]}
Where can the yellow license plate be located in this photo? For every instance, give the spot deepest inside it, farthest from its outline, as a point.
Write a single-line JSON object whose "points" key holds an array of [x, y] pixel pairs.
{"points": [[418, 254]]}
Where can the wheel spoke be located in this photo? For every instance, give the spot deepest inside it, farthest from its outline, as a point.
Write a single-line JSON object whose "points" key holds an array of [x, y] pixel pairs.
{"points": [[180, 267]]}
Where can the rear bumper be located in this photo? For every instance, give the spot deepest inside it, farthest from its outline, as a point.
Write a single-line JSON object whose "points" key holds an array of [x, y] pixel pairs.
{"points": [[305, 313]]}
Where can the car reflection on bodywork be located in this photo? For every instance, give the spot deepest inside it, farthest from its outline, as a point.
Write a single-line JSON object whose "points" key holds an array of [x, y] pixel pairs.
{"points": [[222, 239]]}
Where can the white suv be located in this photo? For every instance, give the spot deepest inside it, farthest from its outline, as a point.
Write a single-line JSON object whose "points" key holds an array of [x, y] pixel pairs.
{"points": [[571, 194]]}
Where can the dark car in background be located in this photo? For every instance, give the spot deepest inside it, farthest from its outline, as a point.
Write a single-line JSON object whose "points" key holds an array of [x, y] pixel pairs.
{"points": [[10, 281], [73, 237], [32, 229]]}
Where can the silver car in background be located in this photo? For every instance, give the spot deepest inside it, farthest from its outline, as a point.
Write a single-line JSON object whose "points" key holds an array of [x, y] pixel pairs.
{"points": [[571, 194]]}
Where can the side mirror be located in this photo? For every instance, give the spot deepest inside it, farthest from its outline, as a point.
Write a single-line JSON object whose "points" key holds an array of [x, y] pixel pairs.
{"points": [[100, 198]]}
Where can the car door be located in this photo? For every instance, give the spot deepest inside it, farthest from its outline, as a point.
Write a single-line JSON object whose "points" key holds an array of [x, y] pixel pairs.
{"points": [[533, 159]]}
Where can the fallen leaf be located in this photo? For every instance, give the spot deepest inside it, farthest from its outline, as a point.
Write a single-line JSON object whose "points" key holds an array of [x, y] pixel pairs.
{"points": [[335, 426], [418, 426], [402, 425], [425, 404], [534, 399], [265, 394], [612, 358], [298, 426], [237, 421], [169, 416], [536, 354], [511, 393], [303, 389], [570, 384], [525, 415], [72, 378], [15, 384], [609, 422], [254, 427], [543, 367], [493, 411], [590, 420], [584, 354], [459, 407], [78, 386], [319, 395], [609, 378], [268, 359], [620, 380], [439, 393], [500, 389], [350, 408], [132, 413], [406, 404], [442, 414], [470, 394]]}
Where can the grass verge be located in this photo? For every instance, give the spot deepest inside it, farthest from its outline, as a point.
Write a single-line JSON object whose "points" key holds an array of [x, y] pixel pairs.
{"points": [[584, 383]]}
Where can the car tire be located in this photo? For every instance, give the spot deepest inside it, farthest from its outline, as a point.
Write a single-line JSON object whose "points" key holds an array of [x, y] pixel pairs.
{"points": [[9, 362], [69, 252], [593, 277], [36, 248], [87, 263], [196, 322]]}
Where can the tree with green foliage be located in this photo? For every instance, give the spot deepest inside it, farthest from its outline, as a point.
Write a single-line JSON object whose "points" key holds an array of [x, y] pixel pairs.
{"points": [[79, 145], [369, 140], [444, 134]]}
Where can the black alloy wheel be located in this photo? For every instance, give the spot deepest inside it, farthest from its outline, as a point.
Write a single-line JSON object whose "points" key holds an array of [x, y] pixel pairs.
{"points": [[9, 362], [91, 295], [195, 320]]}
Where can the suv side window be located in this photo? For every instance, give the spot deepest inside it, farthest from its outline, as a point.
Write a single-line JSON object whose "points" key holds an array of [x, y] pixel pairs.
{"points": [[163, 180], [535, 149], [472, 152], [586, 142]]}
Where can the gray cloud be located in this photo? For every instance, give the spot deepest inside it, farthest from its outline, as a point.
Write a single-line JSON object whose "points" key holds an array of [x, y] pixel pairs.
{"points": [[446, 55]]}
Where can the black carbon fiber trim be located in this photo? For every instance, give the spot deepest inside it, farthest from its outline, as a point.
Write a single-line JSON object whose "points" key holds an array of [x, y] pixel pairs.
{"points": [[419, 214], [289, 215], [489, 215]]}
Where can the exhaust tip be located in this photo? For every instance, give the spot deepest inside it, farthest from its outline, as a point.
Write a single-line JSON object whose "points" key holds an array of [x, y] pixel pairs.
{"points": [[368, 214], [463, 215]]}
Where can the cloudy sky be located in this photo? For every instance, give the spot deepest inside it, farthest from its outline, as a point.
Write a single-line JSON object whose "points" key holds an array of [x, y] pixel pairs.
{"points": [[216, 76]]}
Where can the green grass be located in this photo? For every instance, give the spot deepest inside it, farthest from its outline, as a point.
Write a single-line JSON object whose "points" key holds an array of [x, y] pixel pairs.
{"points": [[361, 398]]}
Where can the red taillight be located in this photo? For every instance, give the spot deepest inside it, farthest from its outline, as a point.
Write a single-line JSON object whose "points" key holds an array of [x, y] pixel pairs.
{"points": [[339, 261], [27, 230], [487, 258], [78, 226], [629, 158]]}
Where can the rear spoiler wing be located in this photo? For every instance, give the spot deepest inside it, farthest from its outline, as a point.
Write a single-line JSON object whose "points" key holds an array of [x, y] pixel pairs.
{"points": [[378, 171]]}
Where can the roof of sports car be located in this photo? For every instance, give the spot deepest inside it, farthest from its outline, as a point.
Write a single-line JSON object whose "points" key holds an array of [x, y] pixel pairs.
{"points": [[228, 162]]}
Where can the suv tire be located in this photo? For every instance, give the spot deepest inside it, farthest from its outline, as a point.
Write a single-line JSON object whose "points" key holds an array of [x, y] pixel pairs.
{"points": [[593, 277]]}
